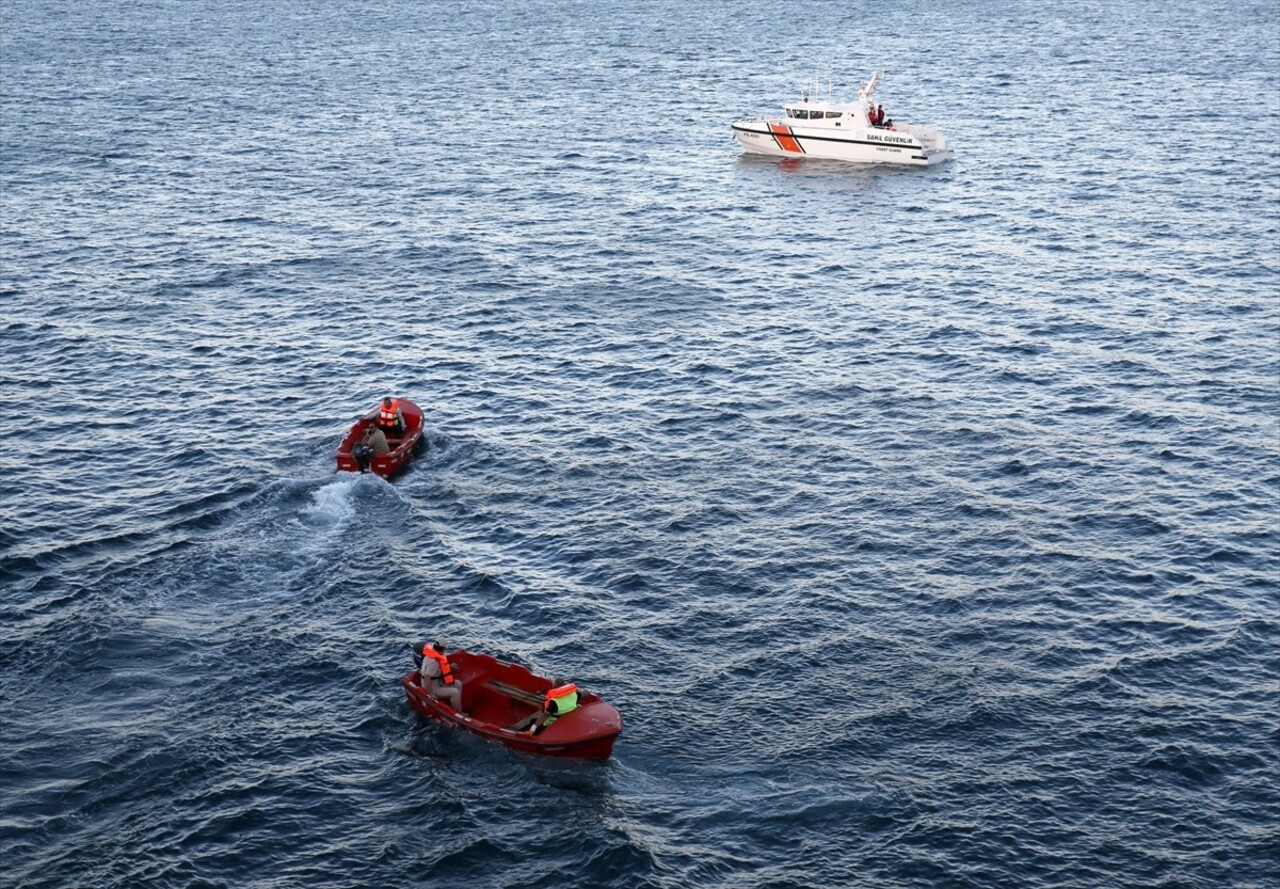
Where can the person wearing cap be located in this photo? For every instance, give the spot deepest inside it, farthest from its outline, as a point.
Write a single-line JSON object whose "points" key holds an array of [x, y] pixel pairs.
{"points": [[390, 419], [560, 699], [438, 675]]}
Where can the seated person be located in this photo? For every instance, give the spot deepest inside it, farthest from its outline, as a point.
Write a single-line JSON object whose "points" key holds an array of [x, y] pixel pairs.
{"points": [[562, 698], [372, 443], [390, 419], [377, 440], [437, 675]]}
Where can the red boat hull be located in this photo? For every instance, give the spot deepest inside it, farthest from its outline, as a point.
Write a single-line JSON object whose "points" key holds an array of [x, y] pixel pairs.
{"points": [[496, 695], [385, 465]]}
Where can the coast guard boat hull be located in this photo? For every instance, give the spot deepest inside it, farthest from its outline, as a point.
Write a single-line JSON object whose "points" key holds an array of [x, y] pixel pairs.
{"points": [[843, 132]]}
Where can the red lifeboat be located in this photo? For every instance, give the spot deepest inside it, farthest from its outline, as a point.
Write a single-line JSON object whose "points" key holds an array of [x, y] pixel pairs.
{"points": [[497, 695], [402, 446]]}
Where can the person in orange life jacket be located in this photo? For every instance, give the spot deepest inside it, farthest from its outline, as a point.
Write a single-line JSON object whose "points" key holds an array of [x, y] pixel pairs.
{"points": [[560, 699], [438, 675], [390, 419]]}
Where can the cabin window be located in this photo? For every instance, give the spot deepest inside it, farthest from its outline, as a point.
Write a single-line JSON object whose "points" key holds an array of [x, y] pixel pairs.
{"points": [[802, 113], [831, 114]]}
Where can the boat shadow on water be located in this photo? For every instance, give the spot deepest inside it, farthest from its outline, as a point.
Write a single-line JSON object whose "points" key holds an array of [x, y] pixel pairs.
{"points": [[816, 167], [441, 748]]}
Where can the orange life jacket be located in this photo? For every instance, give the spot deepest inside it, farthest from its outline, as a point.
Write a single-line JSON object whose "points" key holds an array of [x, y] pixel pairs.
{"points": [[556, 693], [446, 672], [387, 415]]}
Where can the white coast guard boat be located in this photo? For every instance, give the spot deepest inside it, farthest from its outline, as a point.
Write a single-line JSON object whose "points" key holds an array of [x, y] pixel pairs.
{"points": [[843, 132]]}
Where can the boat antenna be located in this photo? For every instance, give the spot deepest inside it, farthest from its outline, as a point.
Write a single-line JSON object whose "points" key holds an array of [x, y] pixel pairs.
{"points": [[869, 88]]}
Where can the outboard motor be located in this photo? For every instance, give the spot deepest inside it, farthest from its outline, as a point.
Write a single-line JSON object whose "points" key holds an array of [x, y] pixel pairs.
{"points": [[417, 654], [363, 454]]}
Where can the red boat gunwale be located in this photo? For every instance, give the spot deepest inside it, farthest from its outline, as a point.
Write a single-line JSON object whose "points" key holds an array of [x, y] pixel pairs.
{"points": [[496, 695], [402, 447]]}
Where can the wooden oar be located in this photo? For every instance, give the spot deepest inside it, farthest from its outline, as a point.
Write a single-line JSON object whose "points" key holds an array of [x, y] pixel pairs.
{"points": [[518, 693]]}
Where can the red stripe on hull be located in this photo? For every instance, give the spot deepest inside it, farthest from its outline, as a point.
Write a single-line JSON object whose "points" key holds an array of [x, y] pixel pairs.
{"points": [[786, 141]]}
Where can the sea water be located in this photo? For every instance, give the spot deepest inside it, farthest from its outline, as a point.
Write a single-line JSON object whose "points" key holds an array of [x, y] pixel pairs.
{"points": [[922, 524]]}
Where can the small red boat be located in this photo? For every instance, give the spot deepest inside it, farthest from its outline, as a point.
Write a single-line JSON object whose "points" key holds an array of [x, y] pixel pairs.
{"points": [[402, 446], [496, 695]]}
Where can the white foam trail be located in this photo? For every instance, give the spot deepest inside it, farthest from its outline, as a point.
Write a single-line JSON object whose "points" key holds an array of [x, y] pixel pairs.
{"points": [[333, 505]]}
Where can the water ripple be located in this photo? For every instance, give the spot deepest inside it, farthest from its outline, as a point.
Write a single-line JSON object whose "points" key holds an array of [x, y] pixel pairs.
{"points": [[921, 523]]}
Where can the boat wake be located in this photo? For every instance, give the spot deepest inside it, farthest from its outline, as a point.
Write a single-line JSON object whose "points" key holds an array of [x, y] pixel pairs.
{"points": [[334, 504]]}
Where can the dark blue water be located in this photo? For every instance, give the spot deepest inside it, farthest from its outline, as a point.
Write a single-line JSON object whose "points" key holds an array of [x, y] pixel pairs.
{"points": [[923, 525]]}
